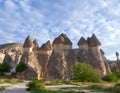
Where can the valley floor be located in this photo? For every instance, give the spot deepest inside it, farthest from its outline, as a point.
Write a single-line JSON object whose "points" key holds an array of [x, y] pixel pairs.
{"points": [[70, 87], [21, 88]]}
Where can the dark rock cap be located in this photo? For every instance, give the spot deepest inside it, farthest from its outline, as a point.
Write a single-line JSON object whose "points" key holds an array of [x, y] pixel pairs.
{"points": [[82, 41], [93, 41], [88, 40], [28, 42], [117, 54], [35, 43], [62, 39], [46, 46]]}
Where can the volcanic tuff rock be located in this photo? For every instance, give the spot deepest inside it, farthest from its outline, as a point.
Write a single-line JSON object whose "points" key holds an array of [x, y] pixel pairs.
{"points": [[56, 66], [115, 65], [54, 61], [36, 46], [46, 46], [62, 39], [27, 74], [43, 55], [28, 42], [82, 41], [60, 63], [30, 59], [93, 41], [11, 53]]}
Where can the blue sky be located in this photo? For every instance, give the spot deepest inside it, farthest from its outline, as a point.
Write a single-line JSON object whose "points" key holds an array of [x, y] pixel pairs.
{"points": [[46, 19]]}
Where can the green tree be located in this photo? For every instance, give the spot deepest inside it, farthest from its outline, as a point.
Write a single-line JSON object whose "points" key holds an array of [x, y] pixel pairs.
{"points": [[21, 67], [110, 77], [113, 69], [4, 67], [84, 73]]}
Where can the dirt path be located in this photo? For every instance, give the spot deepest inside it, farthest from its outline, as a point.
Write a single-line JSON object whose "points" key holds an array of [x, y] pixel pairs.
{"points": [[18, 88]]}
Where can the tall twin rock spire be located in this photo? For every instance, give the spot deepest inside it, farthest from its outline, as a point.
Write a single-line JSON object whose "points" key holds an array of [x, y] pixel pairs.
{"points": [[93, 41]]}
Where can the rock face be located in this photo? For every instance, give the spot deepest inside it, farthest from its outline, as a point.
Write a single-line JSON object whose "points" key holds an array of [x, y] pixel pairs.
{"points": [[2, 55], [36, 46], [64, 57], [30, 59], [83, 44], [54, 61], [62, 42], [27, 74], [56, 66], [115, 65], [11, 53], [43, 55]]}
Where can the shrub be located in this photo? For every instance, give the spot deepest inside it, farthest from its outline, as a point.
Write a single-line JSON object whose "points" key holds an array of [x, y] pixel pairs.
{"points": [[110, 78], [56, 82], [5, 67], [113, 69], [84, 73], [117, 74], [21, 67], [117, 85], [68, 82], [96, 87], [115, 89], [2, 88], [35, 85]]}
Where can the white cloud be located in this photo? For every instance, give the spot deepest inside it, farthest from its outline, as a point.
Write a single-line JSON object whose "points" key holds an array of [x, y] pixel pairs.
{"points": [[47, 19], [9, 5], [111, 56]]}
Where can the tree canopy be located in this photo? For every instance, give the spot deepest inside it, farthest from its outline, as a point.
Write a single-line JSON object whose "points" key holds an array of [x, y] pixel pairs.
{"points": [[21, 67], [84, 73], [4, 67]]}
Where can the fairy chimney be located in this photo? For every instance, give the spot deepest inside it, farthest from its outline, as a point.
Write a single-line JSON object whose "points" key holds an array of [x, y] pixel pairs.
{"points": [[62, 42], [28, 46], [117, 55], [83, 44], [94, 44], [36, 46], [30, 59], [93, 41], [46, 48]]}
